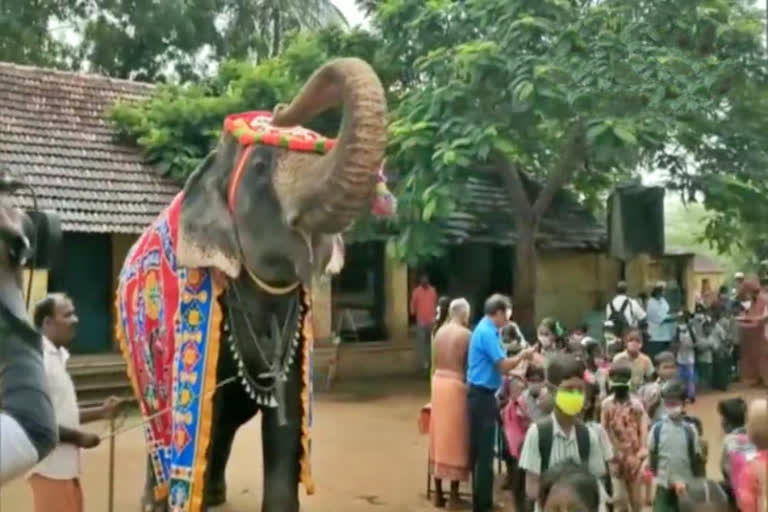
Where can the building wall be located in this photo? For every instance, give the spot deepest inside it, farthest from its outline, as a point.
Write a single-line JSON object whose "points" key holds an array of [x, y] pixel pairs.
{"points": [[322, 309], [570, 284], [39, 287], [716, 280], [396, 294]]}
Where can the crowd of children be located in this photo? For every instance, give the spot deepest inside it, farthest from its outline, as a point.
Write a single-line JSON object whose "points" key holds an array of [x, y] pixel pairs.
{"points": [[634, 410]]}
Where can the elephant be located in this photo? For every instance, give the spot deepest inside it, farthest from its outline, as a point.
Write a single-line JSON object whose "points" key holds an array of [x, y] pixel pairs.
{"points": [[260, 220]]}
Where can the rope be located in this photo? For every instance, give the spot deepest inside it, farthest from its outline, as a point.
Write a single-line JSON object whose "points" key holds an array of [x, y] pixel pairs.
{"points": [[122, 430]]}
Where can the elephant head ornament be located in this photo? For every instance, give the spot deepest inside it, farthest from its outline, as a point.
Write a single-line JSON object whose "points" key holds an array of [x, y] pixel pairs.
{"points": [[288, 207]]}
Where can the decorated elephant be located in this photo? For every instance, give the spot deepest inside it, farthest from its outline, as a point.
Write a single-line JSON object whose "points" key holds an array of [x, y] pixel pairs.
{"points": [[213, 300]]}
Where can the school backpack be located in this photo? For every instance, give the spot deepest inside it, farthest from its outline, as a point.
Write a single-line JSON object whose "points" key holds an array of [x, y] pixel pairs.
{"points": [[619, 317], [697, 462], [738, 457], [546, 437]]}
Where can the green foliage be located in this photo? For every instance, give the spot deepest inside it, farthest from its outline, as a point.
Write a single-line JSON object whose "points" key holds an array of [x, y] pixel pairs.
{"points": [[27, 31], [671, 86], [154, 40], [180, 124]]}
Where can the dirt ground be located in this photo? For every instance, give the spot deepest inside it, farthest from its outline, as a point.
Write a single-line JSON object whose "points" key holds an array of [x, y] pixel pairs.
{"points": [[367, 456]]}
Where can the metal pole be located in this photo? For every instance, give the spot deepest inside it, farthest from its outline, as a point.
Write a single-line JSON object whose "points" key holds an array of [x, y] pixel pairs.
{"points": [[111, 489]]}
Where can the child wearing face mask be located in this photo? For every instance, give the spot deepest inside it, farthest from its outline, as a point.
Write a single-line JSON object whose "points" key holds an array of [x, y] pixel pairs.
{"points": [[597, 369], [547, 339], [710, 341], [517, 415], [650, 396], [551, 440], [685, 340], [623, 418], [737, 447], [640, 364], [676, 455], [591, 418]]}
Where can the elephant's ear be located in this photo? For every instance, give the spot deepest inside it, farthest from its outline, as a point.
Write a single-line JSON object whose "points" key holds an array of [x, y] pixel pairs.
{"points": [[206, 229]]}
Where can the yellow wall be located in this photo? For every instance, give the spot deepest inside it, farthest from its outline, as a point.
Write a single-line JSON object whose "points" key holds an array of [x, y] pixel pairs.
{"points": [[39, 287], [322, 308], [396, 297], [716, 280], [570, 284], [121, 244]]}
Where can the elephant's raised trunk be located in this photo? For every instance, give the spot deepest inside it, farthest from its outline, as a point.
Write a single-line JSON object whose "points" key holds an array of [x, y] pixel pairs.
{"points": [[337, 189]]}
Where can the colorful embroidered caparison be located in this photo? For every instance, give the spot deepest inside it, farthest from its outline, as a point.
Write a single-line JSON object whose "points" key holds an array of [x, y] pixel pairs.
{"points": [[169, 331]]}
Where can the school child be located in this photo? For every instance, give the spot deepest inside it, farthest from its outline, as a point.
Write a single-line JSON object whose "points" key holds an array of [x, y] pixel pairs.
{"points": [[721, 356], [597, 368], [578, 334], [591, 418], [612, 343], [568, 485], [752, 493], [650, 396], [711, 341], [685, 342], [549, 337], [675, 451], [512, 387], [640, 364], [623, 418], [650, 393], [544, 444], [517, 415], [737, 447]]}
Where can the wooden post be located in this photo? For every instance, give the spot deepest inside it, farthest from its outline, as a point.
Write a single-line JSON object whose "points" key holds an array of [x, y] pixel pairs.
{"points": [[111, 489]]}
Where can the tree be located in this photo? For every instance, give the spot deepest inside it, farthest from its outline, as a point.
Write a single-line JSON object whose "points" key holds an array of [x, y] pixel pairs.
{"points": [[180, 124], [576, 94], [27, 31], [154, 40]]}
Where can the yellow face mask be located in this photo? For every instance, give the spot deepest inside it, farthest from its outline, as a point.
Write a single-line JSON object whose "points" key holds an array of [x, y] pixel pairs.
{"points": [[570, 402]]}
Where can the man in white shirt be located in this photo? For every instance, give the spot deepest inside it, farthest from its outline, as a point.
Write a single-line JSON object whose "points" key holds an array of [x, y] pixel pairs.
{"points": [[625, 305], [55, 481]]}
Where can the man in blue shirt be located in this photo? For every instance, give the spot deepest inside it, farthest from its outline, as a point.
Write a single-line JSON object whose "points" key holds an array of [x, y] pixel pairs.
{"points": [[486, 365]]}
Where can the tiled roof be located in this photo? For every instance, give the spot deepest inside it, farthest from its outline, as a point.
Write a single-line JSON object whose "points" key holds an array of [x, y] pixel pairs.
{"points": [[486, 214], [53, 131]]}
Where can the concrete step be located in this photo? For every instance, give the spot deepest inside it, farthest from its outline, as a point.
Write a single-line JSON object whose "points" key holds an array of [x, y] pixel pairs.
{"points": [[98, 377]]}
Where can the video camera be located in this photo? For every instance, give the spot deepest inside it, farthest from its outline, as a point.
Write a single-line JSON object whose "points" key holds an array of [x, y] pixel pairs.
{"points": [[42, 228]]}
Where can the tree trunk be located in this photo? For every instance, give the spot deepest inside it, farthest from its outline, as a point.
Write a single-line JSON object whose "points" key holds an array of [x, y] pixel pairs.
{"points": [[528, 214], [276, 32], [525, 276]]}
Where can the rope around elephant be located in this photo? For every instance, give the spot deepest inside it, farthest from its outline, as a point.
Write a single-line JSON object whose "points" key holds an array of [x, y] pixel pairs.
{"points": [[122, 430]]}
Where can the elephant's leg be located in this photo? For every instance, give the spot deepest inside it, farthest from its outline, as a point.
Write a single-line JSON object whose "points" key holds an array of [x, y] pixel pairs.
{"points": [[281, 446], [232, 408], [148, 503]]}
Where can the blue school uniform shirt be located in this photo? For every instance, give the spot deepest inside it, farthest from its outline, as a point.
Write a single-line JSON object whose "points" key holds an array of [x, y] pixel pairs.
{"points": [[485, 351]]}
